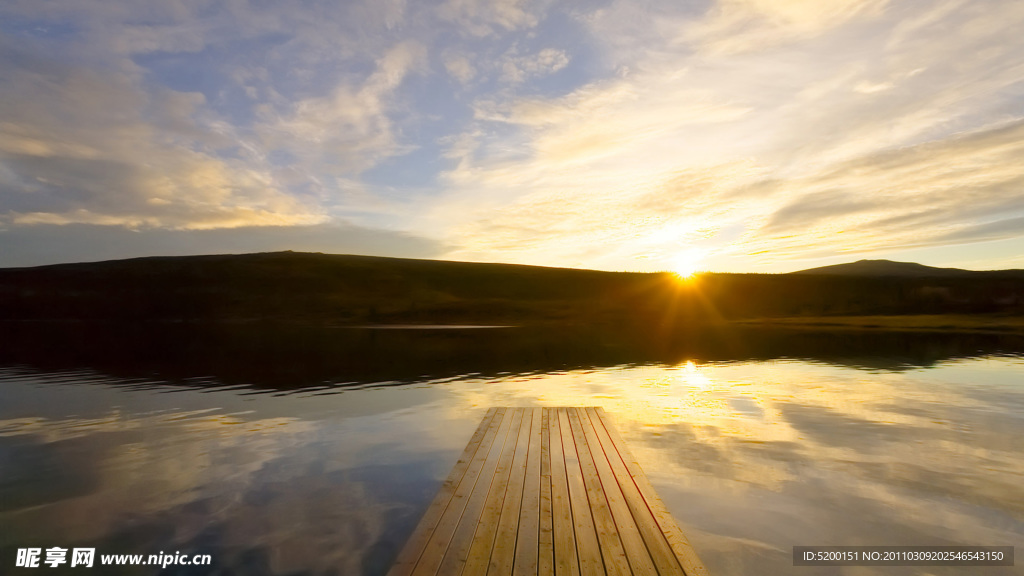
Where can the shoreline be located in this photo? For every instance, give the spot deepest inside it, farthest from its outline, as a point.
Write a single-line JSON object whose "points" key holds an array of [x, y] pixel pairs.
{"points": [[967, 323], [905, 323]]}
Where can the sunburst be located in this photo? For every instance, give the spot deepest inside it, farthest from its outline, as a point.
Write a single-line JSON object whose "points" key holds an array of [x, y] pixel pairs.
{"points": [[687, 263]]}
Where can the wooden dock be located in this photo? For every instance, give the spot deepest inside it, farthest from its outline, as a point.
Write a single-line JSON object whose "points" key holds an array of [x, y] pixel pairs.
{"points": [[547, 491]]}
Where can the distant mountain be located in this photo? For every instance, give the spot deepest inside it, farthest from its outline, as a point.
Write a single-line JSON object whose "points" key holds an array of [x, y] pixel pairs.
{"points": [[885, 268]]}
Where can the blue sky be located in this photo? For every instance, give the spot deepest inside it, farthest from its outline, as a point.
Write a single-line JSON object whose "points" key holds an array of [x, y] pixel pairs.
{"points": [[727, 135]]}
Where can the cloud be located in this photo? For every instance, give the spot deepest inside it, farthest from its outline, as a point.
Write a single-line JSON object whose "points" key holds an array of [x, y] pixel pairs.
{"points": [[613, 117], [812, 14], [125, 27], [517, 69], [580, 222], [459, 67], [78, 145], [349, 130], [736, 26], [143, 39], [956, 190], [998, 229], [486, 17]]}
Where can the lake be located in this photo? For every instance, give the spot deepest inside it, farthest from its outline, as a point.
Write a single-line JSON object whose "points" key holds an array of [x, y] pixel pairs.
{"points": [[291, 450]]}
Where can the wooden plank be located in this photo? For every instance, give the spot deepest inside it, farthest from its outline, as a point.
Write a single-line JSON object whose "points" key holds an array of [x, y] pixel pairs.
{"points": [[612, 550], [528, 539], [657, 545], [483, 539], [684, 552], [640, 558], [445, 529], [563, 533], [504, 551], [414, 547], [588, 548], [457, 555], [546, 548]]}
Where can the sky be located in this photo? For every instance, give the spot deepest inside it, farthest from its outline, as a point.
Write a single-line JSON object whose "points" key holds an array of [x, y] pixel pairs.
{"points": [[641, 135]]}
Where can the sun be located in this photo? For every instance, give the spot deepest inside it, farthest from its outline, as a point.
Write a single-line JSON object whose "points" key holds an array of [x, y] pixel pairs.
{"points": [[687, 263]]}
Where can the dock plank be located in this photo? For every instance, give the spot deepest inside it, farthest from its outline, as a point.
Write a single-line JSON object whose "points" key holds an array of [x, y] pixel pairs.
{"points": [[547, 492], [504, 551], [546, 538], [527, 541], [564, 535], [588, 548]]}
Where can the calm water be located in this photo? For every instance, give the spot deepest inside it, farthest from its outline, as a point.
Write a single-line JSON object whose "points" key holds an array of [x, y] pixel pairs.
{"points": [[302, 451]]}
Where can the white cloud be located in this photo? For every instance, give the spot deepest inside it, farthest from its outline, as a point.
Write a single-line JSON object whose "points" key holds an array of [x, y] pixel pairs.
{"points": [[349, 130], [736, 26], [961, 187], [872, 87], [485, 17], [140, 39], [79, 146], [459, 67], [517, 69], [130, 27], [816, 15]]}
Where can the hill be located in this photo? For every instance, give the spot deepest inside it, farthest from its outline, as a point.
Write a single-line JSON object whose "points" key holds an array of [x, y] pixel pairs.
{"points": [[355, 290], [306, 287], [884, 268]]}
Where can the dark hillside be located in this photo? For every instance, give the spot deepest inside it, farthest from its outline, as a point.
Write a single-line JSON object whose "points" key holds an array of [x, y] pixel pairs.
{"points": [[779, 295], [341, 289], [303, 287]]}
